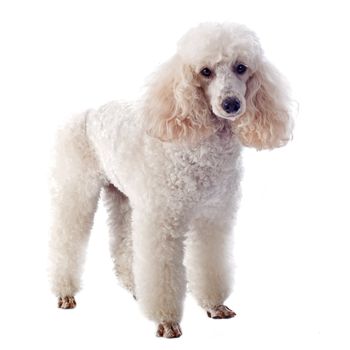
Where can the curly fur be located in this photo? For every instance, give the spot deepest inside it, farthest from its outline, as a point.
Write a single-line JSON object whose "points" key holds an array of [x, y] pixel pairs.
{"points": [[169, 170], [266, 122], [175, 106]]}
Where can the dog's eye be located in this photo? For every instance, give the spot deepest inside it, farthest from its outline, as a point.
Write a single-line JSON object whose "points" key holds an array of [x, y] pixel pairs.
{"points": [[241, 69], [206, 72]]}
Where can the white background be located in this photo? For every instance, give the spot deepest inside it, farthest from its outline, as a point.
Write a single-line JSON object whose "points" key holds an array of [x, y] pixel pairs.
{"points": [[291, 241]]}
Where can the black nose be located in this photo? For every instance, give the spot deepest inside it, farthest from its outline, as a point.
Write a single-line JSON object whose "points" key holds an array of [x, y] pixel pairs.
{"points": [[231, 104]]}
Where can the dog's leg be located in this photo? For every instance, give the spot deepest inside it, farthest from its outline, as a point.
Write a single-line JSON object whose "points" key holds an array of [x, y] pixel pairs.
{"points": [[75, 192], [158, 269], [208, 265], [119, 212]]}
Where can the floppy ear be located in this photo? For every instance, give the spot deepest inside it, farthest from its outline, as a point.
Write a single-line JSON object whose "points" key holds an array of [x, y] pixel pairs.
{"points": [[267, 122], [174, 106]]}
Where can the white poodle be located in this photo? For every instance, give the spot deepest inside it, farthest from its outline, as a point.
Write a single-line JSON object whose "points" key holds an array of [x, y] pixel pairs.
{"points": [[169, 169]]}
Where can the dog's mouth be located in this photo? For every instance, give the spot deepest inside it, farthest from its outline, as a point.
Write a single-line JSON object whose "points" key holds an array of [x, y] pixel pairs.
{"points": [[227, 116]]}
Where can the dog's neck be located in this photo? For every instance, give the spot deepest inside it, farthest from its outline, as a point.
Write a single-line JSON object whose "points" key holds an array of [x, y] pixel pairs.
{"points": [[224, 128]]}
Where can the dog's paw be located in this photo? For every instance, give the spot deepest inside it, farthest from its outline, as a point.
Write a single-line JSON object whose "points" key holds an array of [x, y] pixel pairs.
{"points": [[220, 311], [169, 330], [66, 303]]}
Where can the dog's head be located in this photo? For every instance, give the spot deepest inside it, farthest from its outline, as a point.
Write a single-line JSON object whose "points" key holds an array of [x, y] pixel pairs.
{"points": [[219, 76]]}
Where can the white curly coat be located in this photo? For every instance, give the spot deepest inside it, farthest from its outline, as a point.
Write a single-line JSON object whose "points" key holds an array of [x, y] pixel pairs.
{"points": [[169, 169]]}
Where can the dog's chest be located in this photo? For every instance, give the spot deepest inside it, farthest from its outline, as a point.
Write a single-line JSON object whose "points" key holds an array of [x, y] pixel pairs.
{"points": [[205, 171]]}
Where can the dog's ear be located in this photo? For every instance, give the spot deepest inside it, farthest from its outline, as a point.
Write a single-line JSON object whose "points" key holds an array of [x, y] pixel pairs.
{"points": [[266, 123], [174, 106]]}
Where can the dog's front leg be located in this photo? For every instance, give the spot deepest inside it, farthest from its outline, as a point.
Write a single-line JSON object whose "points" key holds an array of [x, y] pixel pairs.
{"points": [[159, 273], [208, 263]]}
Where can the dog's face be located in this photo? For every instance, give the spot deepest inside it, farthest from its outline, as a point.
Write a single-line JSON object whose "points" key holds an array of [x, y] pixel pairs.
{"points": [[222, 59], [219, 78], [225, 84]]}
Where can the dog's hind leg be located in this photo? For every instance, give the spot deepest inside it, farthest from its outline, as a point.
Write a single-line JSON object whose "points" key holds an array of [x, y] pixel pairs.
{"points": [[119, 217], [75, 192]]}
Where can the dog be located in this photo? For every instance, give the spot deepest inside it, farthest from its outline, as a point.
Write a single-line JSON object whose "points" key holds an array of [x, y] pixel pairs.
{"points": [[169, 170]]}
